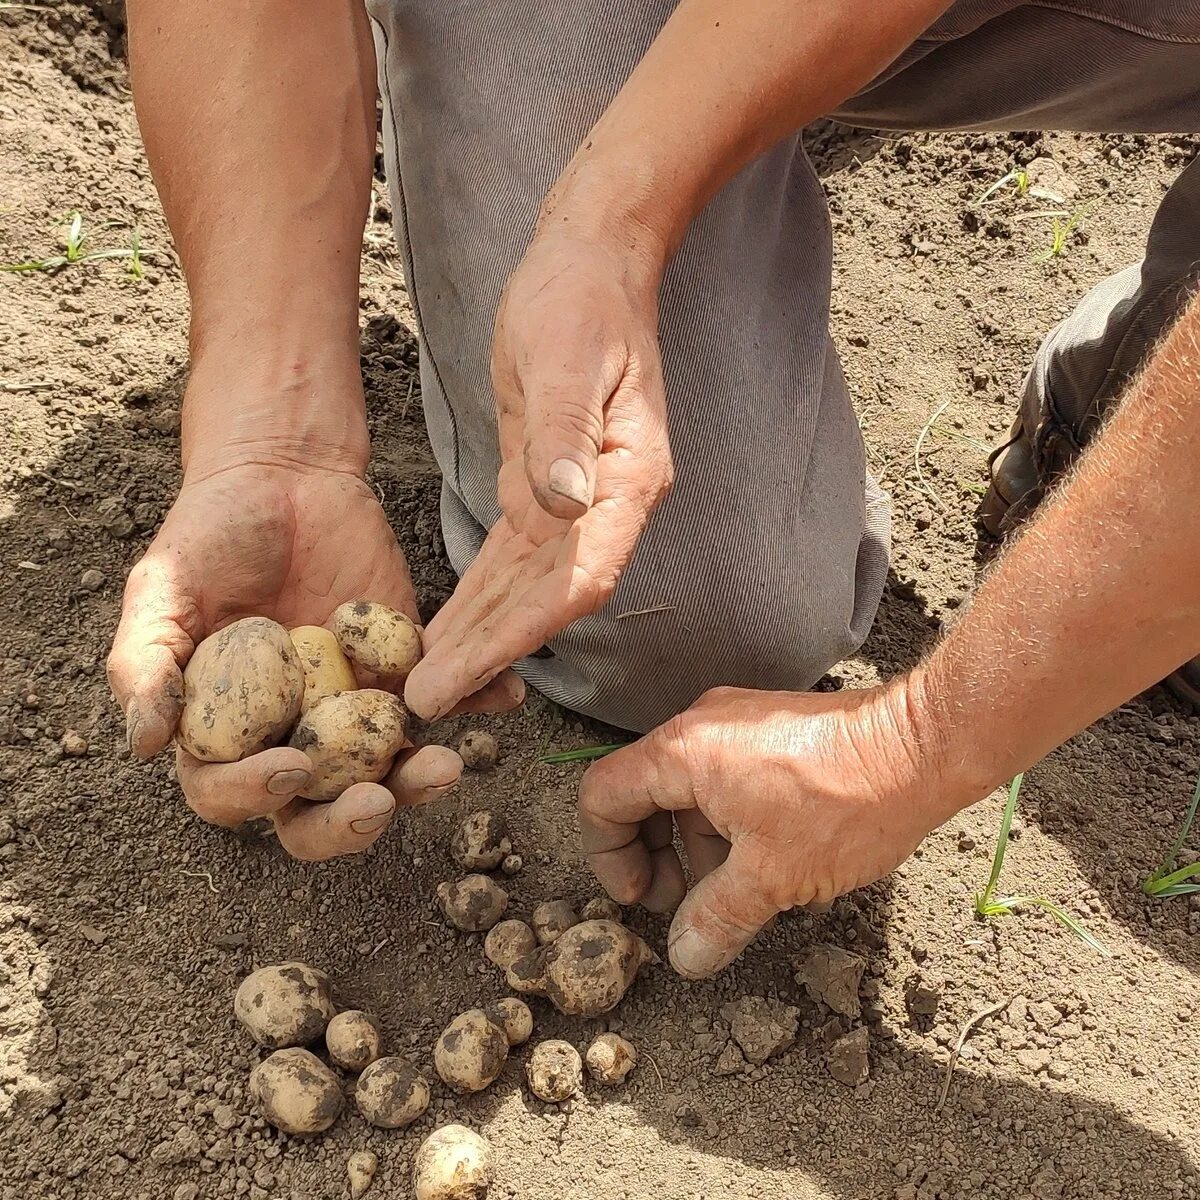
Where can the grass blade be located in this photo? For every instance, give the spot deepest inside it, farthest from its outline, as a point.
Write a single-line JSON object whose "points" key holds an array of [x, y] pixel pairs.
{"points": [[585, 754]]}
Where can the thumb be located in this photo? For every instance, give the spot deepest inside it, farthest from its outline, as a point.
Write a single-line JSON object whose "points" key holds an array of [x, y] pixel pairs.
{"points": [[719, 918]]}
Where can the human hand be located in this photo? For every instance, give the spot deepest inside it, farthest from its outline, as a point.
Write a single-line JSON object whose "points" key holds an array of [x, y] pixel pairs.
{"points": [[810, 795], [583, 442], [290, 543]]}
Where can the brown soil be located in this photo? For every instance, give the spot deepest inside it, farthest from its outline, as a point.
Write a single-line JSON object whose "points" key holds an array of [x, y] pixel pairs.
{"points": [[125, 924]]}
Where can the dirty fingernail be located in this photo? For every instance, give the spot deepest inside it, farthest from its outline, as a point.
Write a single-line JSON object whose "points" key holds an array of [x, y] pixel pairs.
{"points": [[133, 725], [286, 783], [692, 956], [373, 823], [567, 478]]}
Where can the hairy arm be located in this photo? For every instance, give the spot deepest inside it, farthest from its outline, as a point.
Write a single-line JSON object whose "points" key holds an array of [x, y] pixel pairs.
{"points": [[259, 124]]}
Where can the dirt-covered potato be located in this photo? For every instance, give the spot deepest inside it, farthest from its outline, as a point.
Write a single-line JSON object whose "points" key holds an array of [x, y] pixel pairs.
{"points": [[512, 864], [289, 1004], [391, 1093], [377, 637], [452, 1163], [296, 1092], [554, 1071], [507, 942], [474, 903], [470, 1052], [481, 842], [327, 670], [242, 690], [351, 737], [610, 1058], [586, 971], [479, 750], [360, 1168], [551, 919], [513, 1016], [601, 908], [353, 1040]]}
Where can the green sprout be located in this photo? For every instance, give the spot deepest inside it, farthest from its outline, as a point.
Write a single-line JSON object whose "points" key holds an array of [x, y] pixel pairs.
{"points": [[988, 904], [584, 754], [1061, 230], [1168, 880], [74, 252], [1018, 178]]}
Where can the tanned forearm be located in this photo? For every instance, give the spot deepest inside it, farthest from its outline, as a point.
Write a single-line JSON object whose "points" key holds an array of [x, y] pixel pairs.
{"points": [[1096, 601], [259, 123]]}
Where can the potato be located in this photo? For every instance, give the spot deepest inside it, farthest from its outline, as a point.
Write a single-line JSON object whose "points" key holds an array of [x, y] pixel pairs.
{"points": [[481, 842], [350, 737], [296, 1092], [361, 1167], [512, 864], [479, 750], [551, 919], [610, 1058], [242, 690], [327, 670], [601, 908], [554, 1071], [586, 971], [512, 1016], [289, 1004], [353, 1040], [377, 637], [391, 1093], [470, 1052], [507, 942], [452, 1163], [473, 904]]}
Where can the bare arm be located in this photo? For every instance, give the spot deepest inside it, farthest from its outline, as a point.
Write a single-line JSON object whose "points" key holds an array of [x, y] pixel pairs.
{"points": [[259, 123]]}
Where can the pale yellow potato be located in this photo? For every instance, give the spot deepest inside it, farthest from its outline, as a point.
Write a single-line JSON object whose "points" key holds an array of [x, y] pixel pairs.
{"points": [[242, 690], [470, 1052], [296, 1092], [377, 637], [287, 1004], [610, 1058], [351, 737], [452, 1163], [554, 1071], [391, 1093], [353, 1040], [514, 1017], [327, 670]]}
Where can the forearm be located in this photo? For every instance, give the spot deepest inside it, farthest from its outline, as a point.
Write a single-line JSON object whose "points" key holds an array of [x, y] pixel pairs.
{"points": [[721, 84], [1099, 598], [259, 125]]}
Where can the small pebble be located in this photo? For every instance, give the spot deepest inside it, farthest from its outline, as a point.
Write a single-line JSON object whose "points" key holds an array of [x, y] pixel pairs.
{"points": [[92, 579], [74, 744]]}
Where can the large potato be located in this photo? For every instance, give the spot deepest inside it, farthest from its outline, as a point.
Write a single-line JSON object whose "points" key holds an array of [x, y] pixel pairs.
{"points": [[377, 637], [350, 737], [241, 691], [327, 670]]}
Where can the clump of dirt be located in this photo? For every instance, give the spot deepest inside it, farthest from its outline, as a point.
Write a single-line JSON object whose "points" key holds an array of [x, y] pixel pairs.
{"points": [[125, 924]]}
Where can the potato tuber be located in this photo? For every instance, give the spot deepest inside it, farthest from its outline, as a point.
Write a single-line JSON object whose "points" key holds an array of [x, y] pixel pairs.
{"points": [[353, 1040], [610, 1058], [601, 908], [470, 1052], [586, 971], [551, 919], [452, 1163], [507, 942], [479, 750], [391, 1093], [296, 1092], [327, 670], [377, 637], [554, 1071], [350, 737], [473, 904], [513, 1017], [285, 1005], [242, 690], [481, 842]]}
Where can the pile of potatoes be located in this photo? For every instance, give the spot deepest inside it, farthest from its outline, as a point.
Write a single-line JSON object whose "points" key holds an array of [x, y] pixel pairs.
{"points": [[253, 685]]}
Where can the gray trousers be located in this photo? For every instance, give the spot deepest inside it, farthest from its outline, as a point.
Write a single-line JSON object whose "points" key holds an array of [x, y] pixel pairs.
{"points": [[766, 564]]}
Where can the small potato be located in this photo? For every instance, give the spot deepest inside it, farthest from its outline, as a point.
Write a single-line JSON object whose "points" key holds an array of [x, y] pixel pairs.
{"points": [[470, 1052], [377, 637], [473, 904], [360, 1168], [601, 908], [513, 1016], [391, 1093], [296, 1092], [327, 670], [479, 750], [351, 737], [610, 1058], [353, 1040], [512, 864], [481, 842], [452, 1163], [289, 1004], [551, 919], [507, 942], [554, 1071], [242, 690]]}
